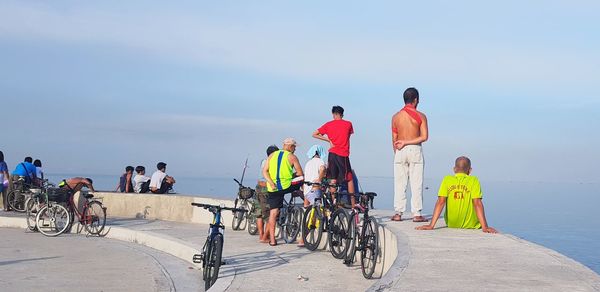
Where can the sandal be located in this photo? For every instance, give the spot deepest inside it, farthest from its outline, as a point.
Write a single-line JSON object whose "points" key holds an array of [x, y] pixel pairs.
{"points": [[397, 217], [419, 219], [273, 244]]}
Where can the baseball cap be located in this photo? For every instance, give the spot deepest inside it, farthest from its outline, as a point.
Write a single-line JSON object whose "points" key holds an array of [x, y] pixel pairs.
{"points": [[289, 141]]}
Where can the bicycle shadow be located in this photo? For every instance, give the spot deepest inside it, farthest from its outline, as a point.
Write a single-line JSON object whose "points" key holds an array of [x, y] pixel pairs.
{"points": [[255, 261], [5, 263]]}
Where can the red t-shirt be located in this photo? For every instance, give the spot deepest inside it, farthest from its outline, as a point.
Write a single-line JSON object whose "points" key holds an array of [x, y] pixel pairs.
{"points": [[338, 131]]}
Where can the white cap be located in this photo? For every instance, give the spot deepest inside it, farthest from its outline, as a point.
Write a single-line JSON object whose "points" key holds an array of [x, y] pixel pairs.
{"points": [[290, 141]]}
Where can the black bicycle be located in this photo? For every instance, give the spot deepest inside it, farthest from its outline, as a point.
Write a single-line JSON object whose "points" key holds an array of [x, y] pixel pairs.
{"points": [[364, 236], [210, 258], [19, 194], [290, 218]]}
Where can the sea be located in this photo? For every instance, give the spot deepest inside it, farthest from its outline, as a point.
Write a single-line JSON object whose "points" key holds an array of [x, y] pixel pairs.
{"points": [[560, 216]]}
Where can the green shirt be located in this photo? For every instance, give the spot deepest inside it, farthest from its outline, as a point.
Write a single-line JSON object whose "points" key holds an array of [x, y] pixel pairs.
{"points": [[460, 190]]}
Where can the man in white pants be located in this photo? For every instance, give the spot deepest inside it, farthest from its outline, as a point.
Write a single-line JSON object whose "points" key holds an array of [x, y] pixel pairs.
{"points": [[409, 130]]}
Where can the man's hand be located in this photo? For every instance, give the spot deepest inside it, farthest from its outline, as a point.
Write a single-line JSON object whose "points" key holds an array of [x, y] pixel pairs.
{"points": [[489, 230], [272, 185], [399, 144], [424, 227]]}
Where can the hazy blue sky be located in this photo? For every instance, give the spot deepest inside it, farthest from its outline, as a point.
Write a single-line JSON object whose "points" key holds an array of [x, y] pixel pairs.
{"points": [[90, 87]]}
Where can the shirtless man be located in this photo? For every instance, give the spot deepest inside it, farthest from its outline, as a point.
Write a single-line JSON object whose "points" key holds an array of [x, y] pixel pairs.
{"points": [[409, 130]]}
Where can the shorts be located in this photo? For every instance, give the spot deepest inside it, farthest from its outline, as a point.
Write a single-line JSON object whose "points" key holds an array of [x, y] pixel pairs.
{"points": [[275, 199], [339, 168], [312, 195], [262, 210]]}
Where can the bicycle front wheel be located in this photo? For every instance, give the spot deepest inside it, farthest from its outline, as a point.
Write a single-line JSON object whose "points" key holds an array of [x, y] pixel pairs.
{"points": [[370, 249], [214, 261], [312, 227], [292, 225], [52, 220], [339, 239], [31, 210], [238, 217], [94, 217]]}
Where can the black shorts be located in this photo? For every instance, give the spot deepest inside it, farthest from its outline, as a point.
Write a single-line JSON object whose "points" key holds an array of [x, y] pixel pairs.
{"points": [[339, 168], [275, 199]]}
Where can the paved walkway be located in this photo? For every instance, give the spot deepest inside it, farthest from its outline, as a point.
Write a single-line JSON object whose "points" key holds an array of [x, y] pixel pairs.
{"points": [[32, 262], [440, 260]]}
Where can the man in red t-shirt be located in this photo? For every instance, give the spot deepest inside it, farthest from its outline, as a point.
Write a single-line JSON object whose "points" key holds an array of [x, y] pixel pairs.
{"points": [[337, 134]]}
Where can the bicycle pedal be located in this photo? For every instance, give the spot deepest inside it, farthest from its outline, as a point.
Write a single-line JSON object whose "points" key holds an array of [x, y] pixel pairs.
{"points": [[197, 258]]}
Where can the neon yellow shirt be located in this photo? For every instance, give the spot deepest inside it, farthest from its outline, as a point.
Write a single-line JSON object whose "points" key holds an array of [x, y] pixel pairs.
{"points": [[280, 170], [460, 190]]}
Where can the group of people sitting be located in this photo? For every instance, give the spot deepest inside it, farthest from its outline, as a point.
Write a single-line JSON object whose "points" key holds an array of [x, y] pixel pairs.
{"points": [[158, 183]]}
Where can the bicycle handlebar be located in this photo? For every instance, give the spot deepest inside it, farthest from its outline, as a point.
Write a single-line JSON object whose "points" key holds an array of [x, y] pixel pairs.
{"points": [[218, 208], [320, 184]]}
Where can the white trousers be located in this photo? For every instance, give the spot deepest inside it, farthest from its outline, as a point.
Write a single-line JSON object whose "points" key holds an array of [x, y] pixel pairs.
{"points": [[408, 166]]}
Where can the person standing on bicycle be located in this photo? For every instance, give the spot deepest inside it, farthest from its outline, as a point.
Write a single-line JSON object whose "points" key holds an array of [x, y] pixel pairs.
{"points": [[337, 133], [314, 171], [279, 174], [262, 194]]}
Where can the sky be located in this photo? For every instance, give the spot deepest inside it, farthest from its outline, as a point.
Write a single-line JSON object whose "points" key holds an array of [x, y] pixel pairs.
{"points": [[90, 87]]}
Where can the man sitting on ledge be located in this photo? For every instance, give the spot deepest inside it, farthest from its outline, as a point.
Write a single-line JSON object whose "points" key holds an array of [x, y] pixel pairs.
{"points": [[461, 194]]}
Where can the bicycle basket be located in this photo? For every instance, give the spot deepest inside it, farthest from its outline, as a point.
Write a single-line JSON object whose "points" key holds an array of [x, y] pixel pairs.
{"points": [[58, 195], [246, 193]]}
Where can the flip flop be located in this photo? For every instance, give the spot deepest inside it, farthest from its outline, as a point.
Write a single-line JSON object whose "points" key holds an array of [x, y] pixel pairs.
{"points": [[273, 244], [419, 219], [396, 217]]}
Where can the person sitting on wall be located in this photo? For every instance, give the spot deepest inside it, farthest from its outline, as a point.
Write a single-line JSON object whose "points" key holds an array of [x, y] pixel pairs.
{"points": [[125, 181], [161, 183], [141, 182], [461, 194]]}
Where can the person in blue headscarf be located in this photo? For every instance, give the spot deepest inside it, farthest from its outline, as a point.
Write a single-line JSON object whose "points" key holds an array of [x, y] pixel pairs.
{"points": [[314, 171]]}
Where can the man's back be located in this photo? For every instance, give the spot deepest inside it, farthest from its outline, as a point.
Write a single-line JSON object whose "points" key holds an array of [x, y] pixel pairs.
{"points": [[406, 126], [460, 190], [157, 178], [338, 132]]}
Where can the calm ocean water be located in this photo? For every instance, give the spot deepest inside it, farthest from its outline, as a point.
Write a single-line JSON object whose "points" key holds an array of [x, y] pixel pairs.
{"points": [[560, 216]]}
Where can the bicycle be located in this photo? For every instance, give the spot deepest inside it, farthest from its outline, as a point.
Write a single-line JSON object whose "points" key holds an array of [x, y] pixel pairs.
{"points": [[290, 218], [318, 219], [35, 203], [245, 194], [53, 219], [364, 236], [19, 194], [92, 216], [212, 251]]}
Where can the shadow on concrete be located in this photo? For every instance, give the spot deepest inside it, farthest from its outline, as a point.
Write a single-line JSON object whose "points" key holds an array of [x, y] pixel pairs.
{"points": [[6, 263], [129, 222], [255, 261]]}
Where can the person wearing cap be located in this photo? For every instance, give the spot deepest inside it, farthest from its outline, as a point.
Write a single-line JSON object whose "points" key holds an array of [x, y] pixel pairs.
{"points": [[283, 174], [160, 182], [337, 133]]}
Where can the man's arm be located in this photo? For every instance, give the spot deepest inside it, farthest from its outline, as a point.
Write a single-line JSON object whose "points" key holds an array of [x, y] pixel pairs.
{"points": [[265, 173], [439, 206], [394, 133], [128, 183], [423, 136], [478, 204], [322, 137], [294, 161]]}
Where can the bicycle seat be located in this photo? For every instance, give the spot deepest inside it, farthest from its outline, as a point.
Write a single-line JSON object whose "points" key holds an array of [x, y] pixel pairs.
{"points": [[88, 195]]}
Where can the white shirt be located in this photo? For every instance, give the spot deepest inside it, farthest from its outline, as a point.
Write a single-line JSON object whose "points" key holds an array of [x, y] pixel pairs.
{"points": [[138, 181], [311, 171], [39, 173], [157, 178]]}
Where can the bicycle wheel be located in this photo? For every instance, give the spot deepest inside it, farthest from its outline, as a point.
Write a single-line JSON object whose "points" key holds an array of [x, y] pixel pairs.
{"points": [[370, 249], [52, 220], [238, 217], [30, 204], [214, 261], [353, 233], [252, 227], [293, 224], [338, 233], [312, 227], [16, 200], [94, 217]]}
